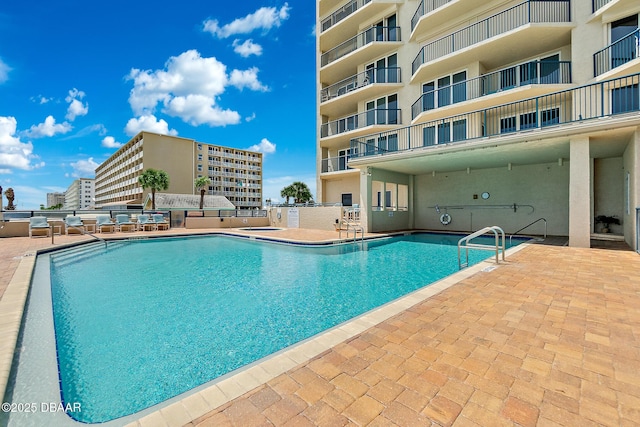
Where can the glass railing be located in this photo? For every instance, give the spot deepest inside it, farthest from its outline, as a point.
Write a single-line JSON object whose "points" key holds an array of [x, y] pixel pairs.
{"points": [[341, 13], [530, 73], [616, 54], [378, 116], [533, 11], [373, 34], [604, 99], [425, 7], [597, 4], [378, 75]]}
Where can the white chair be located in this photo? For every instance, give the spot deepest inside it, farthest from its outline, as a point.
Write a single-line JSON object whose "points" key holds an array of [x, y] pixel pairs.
{"points": [[39, 224]]}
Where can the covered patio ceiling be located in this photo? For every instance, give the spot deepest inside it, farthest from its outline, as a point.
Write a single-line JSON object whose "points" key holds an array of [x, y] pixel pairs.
{"points": [[497, 152]]}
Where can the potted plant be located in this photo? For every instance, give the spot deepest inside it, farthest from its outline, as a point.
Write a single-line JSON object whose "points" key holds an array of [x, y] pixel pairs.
{"points": [[606, 222]]}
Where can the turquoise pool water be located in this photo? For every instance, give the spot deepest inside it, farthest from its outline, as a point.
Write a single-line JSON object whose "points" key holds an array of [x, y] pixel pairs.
{"points": [[145, 321]]}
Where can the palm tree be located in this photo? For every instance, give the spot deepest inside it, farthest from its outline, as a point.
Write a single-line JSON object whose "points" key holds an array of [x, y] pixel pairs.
{"points": [[299, 191], [201, 184], [156, 180]]}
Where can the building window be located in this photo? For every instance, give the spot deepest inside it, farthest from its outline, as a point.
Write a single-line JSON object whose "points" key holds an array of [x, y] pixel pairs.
{"points": [[199, 146], [625, 99], [199, 168], [508, 124], [528, 121], [551, 117]]}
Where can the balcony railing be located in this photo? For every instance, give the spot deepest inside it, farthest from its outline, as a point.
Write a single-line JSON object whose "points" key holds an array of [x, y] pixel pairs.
{"points": [[425, 7], [378, 75], [535, 72], [378, 116], [335, 164], [603, 99], [342, 13], [532, 11], [616, 54], [597, 4], [373, 34]]}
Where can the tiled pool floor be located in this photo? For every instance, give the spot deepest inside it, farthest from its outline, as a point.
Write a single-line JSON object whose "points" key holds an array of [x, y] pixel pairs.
{"points": [[551, 337]]}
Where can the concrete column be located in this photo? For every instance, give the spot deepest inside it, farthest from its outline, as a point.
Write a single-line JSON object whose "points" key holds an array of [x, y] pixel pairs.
{"points": [[365, 199], [579, 193]]}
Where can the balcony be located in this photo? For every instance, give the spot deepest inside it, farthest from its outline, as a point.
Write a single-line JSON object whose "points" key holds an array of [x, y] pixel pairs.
{"points": [[359, 124], [597, 4], [566, 111], [427, 7], [496, 83], [375, 41], [373, 83], [616, 54], [336, 164], [543, 25]]}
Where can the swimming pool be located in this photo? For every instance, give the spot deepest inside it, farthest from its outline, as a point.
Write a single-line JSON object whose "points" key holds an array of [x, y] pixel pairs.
{"points": [[145, 321]]}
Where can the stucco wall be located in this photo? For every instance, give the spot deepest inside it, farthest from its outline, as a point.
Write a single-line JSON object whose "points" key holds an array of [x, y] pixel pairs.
{"points": [[608, 183], [545, 187], [631, 162], [230, 222], [318, 218]]}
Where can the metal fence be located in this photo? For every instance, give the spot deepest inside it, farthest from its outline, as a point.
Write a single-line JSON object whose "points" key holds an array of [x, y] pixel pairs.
{"points": [[597, 4], [341, 13], [607, 98], [425, 7]]}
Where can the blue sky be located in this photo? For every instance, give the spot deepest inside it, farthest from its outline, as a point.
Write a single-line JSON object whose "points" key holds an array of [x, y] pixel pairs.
{"points": [[80, 78]]}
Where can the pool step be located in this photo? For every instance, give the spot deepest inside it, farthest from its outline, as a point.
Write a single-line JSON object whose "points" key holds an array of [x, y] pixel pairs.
{"points": [[82, 252]]}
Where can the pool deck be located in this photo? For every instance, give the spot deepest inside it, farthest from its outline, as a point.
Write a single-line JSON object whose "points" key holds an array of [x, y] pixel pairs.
{"points": [[550, 337]]}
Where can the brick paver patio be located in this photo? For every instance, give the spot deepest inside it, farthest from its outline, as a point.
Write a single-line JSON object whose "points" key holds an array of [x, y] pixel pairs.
{"points": [[552, 337]]}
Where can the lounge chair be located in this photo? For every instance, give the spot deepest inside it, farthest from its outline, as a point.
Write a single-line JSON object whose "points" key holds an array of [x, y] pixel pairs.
{"points": [[146, 223], [74, 222], [161, 223], [104, 221], [39, 223], [123, 222]]}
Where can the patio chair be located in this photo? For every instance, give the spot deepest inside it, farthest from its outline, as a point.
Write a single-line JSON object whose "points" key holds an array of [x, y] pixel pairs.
{"points": [[104, 222], [39, 223], [146, 223], [74, 222], [123, 222], [161, 223]]}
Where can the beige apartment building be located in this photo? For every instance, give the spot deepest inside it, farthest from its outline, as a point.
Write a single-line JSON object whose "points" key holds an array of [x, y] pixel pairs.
{"points": [[234, 173], [459, 114]]}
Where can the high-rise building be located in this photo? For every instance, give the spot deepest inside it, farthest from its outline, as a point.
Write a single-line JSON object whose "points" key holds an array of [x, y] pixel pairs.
{"points": [[80, 194], [234, 173], [55, 199], [456, 115]]}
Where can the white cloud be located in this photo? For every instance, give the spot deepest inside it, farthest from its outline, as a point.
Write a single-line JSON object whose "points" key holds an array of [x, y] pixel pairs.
{"points": [[148, 123], [250, 118], [84, 168], [48, 128], [4, 72], [247, 78], [247, 48], [41, 99], [189, 88], [110, 142], [265, 146], [13, 152], [76, 107], [264, 19]]}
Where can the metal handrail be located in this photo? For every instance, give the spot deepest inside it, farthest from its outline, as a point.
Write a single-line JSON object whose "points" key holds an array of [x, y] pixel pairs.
{"points": [[365, 78], [558, 72], [617, 53], [529, 225], [493, 229], [373, 34], [377, 116], [86, 233]]}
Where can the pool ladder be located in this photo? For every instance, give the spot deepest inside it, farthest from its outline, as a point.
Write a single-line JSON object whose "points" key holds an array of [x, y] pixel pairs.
{"points": [[465, 243], [351, 219]]}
